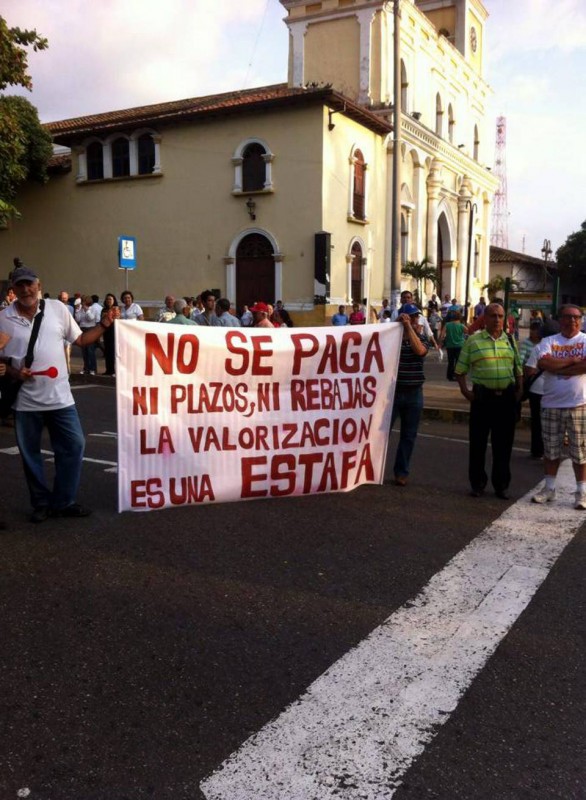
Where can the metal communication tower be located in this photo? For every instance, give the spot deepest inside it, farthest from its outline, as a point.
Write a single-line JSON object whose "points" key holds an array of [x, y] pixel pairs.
{"points": [[500, 214]]}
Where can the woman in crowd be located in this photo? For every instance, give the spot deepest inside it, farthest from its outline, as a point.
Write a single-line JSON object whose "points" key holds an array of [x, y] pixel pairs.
{"points": [[357, 316], [453, 336], [110, 302], [87, 317], [130, 309]]}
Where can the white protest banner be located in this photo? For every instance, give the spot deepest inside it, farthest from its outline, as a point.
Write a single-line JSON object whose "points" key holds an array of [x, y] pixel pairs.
{"points": [[222, 414]]}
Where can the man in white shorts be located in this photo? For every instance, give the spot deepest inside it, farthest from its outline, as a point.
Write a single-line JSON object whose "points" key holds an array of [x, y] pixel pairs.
{"points": [[562, 357]]}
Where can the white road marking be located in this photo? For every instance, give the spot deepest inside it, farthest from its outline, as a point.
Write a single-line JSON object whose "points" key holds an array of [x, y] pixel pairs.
{"points": [[13, 451], [460, 441], [105, 435], [360, 725]]}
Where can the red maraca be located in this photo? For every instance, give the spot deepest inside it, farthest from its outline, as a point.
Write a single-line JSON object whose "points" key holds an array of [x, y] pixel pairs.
{"points": [[50, 372]]}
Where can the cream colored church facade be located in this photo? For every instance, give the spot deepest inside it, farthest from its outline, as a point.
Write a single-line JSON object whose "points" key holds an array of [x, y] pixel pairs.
{"points": [[283, 192]]}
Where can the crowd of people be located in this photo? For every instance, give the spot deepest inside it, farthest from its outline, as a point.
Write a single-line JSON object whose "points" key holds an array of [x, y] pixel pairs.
{"points": [[492, 372]]}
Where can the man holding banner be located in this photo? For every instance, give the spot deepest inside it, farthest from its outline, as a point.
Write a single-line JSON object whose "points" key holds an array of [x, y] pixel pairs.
{"points": [[44, 398], [408, 404]]}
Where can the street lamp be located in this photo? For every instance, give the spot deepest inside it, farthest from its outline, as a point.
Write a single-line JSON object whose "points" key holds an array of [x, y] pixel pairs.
{"points": [[546, 252], [473, 210]]}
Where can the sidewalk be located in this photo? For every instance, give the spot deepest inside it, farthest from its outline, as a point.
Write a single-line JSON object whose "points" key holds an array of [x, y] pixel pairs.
{"points": [[442, 399]]}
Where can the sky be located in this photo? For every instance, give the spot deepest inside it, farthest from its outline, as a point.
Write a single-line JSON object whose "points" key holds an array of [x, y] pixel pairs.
{"points": [[123, 53]]}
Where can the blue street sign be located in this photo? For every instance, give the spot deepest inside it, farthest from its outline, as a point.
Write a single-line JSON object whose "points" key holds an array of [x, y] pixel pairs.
{"points": [[127, 252]]}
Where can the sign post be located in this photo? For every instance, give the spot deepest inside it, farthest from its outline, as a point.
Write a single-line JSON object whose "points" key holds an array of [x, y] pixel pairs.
{"points": [[126, 255]]}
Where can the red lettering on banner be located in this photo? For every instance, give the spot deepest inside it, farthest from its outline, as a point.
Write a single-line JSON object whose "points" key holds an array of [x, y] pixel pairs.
{"points": [[164, 445], [282, 475], [338, 355], [249, 477], [145, 400], [252, 362], [147, 493], [190, 489], [185, 361], [287, 475], [301, 351]]}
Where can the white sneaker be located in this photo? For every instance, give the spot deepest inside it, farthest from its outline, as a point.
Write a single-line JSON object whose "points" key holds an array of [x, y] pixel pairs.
{"points": [[545, 495], [92, 372], [580, 503]]}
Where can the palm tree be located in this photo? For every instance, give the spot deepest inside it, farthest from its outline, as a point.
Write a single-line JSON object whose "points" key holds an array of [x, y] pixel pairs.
{"points": [[496, 286], [421, 271]]}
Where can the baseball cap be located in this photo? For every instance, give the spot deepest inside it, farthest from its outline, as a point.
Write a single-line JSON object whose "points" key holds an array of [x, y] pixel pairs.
{"points": [[23, 273], [410, 309], [259, 307]]}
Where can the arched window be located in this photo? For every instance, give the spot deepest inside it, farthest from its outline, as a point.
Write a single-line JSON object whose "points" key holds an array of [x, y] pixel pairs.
{"points": [[95, 161], [253, 168], [356, 277], [476, 143], [404, 87], [120, 157], [359, 187], [451, 123], [146, 154], [439, 115]]}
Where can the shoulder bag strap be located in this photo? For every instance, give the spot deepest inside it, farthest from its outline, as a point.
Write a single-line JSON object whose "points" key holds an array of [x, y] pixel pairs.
{"points": [[28, 359]]}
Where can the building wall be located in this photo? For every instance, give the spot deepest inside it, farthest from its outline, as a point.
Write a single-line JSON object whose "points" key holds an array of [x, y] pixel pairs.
{"points": [[185, 220]]}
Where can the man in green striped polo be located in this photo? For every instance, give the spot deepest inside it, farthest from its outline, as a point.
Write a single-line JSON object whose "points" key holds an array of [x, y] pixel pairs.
{"points": [[491, 360]]}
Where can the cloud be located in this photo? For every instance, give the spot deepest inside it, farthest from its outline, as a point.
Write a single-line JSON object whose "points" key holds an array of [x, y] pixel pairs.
{"points": [[122, 53], [526, 26]]}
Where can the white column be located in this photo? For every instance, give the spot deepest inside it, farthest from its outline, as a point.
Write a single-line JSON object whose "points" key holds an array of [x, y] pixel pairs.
{"points": [[268, 159], [279, 258], [157, 167], [464, 212], [237, 163], [297, 31], [81, 164], [365, 17], [434, 185], [349, 259], [230, 263]]}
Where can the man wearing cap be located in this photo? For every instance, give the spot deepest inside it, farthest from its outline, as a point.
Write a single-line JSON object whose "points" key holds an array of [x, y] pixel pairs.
{"points": [[408, 402], [45, 400], [261, 316], [492, 361]]}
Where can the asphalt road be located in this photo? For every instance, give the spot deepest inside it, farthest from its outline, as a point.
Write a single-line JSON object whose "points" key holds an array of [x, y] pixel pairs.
{"points": [[140, 651]]}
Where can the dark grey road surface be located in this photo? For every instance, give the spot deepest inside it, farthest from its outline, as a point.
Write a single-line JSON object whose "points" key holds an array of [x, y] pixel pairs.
{"points": [[139, 651]]}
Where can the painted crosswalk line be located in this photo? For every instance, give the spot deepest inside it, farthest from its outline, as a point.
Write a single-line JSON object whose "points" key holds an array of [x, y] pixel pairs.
{"points": [[361, 725]]}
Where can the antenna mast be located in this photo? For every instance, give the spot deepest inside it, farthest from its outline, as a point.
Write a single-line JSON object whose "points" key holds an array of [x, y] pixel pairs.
{"points": [[500, 217]]}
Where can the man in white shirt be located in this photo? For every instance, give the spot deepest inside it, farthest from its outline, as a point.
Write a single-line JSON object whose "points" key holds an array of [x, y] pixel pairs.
{"points": [[562, 357], [45, 399], [167, 312]]}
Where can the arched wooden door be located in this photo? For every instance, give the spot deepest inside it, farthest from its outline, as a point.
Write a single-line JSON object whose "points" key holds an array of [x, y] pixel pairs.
{"points": [[255, 271]]}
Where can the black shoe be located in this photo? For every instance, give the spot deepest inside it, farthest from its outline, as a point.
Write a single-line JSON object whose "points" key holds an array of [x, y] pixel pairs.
{"points": [[502, 494], [40, 514], [74, 510]]}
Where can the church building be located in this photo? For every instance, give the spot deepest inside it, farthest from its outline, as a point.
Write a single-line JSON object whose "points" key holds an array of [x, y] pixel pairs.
{"points": [[285, 191]]}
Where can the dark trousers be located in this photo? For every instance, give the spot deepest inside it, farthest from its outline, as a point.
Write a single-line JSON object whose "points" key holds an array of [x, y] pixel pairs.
{"points": [[110, 350], [536, 437], [407, 407], [453, 356], [493, 415]]}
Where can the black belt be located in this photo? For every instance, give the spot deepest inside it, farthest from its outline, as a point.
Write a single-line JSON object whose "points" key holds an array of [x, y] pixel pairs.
{"points": [[486, 392]]}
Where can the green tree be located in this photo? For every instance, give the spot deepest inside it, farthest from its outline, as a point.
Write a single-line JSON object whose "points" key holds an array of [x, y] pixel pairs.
{"points": [[571, 256], [25, 146], [496, 287], [421, 272], [14, 57]]}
